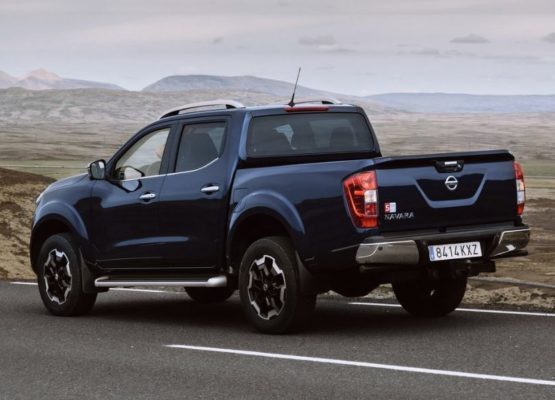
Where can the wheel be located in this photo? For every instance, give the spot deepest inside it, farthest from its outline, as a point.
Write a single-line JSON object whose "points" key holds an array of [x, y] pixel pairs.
{"points": [[269, 287], [210, 295], [430, 298], [59, 277]]}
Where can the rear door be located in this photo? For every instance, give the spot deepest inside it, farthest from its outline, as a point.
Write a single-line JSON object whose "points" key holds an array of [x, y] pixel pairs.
{"points": [[194, 201], [125, 205], [441, 191]]}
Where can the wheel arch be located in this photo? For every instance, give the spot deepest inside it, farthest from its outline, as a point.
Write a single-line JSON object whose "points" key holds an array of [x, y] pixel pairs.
{"points": [[54, 218], [262, 214], [252, 225]]}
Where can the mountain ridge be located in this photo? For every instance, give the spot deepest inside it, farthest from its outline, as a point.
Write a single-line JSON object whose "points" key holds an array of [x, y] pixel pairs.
{"points": [[176, 83], [438, 102], [42, 79], [256, 89]]}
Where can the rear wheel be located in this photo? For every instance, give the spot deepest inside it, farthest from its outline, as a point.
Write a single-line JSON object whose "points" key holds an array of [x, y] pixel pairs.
{"points": [[269, 287], [59, 277], [210, 295], [430, 298]]}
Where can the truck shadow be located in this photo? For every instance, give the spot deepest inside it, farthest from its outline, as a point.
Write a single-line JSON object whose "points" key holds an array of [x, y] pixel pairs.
{"points": [[330, 317]]}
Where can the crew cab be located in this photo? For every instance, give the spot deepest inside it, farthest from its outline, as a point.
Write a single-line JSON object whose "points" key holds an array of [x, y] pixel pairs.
{"points": [[279, 202]]}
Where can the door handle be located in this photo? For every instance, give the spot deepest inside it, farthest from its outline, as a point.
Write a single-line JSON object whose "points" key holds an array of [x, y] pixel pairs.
{"points": [[147, 196], [210, 189]]}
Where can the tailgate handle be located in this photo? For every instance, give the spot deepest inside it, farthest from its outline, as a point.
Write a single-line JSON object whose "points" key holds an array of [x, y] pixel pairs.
{"points": [[450, 166]]}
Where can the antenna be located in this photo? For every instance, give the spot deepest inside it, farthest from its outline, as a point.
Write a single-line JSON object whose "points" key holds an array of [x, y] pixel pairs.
{"points": [[292, 102]]}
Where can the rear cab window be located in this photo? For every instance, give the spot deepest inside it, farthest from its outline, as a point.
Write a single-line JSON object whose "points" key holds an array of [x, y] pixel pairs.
{"points": [[309, 134]]}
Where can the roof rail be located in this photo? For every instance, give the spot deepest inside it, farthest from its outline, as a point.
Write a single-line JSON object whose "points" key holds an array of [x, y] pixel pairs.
{"points": [[321, 100], [229, 104]]}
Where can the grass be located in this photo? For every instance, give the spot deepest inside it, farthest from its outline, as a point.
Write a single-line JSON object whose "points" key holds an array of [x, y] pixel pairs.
{"points": [[56, 169], [539, 168]]}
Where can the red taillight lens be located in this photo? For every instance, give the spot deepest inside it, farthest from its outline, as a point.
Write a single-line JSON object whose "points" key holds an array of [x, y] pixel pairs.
{"points": [[361, 192], [520, 188]]}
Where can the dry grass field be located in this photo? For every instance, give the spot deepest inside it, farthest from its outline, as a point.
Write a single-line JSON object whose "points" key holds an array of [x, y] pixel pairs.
{"points": [[17, 202]]}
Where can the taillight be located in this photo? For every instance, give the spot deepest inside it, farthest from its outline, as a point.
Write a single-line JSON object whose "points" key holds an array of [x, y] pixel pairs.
{"points": [[361, 192], [520, 188]]}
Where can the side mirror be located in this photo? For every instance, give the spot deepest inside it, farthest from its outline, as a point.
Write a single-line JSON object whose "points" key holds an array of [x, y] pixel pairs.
{"points": [[97, 169]]}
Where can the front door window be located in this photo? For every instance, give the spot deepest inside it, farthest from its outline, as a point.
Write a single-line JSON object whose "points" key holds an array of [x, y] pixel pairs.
{"points": [[144, 158]]}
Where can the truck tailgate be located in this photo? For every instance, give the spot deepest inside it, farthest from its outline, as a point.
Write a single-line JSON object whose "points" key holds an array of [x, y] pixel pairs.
{"points": [[445, 190]]}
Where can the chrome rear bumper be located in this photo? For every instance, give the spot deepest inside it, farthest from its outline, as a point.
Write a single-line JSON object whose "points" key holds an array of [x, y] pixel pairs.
{"points": [[406, 251]]}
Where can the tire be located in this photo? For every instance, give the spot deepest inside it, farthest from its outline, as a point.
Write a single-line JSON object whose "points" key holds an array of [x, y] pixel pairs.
{"points": [[59, 278], [210, 295], [269, 287], [430, 298]]}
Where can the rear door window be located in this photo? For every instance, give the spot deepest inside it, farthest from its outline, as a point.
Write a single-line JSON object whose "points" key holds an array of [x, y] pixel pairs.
{"points": [[200, 144], [308, 134]]}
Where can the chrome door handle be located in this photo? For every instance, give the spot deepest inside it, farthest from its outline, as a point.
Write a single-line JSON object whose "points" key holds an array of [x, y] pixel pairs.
{"points": [[210, 189], [147, 196]]}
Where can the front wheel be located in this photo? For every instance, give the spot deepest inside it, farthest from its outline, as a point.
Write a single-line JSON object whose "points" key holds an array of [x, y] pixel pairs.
{"points": [[59, 277], [425, 298], [269, 287]]}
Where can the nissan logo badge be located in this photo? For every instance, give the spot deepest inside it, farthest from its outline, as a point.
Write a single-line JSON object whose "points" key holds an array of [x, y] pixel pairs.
{"points": [[451, 183]]}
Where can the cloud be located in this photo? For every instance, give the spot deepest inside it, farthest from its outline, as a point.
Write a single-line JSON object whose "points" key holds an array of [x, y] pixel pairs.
{"points": [[324, 40], [470, 39], [550, 38], [324, 43], [427, 52]]}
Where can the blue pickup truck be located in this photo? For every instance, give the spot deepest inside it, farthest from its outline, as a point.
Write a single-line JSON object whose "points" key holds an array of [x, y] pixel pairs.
{"points": [[282, 203]]}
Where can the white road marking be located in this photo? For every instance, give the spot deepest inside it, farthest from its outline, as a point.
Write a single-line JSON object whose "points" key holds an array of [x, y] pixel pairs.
{"points": [[366, 365], [477, 310], [25, 283]]}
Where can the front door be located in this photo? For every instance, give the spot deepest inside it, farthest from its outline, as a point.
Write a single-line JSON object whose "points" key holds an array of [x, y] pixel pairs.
{"points": [[125, 205]]}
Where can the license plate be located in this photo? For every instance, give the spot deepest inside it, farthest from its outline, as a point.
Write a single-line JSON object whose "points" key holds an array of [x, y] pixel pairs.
{"points": [[453, 251]]}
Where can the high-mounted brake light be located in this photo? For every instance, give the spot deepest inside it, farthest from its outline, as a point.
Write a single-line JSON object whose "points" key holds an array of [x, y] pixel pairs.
{"points": [[306, 108], [520, 188], [361, 192]]}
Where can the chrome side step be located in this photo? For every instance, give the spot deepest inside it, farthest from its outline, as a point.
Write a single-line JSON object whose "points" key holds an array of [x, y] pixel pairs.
{"points": [[108, 282]]}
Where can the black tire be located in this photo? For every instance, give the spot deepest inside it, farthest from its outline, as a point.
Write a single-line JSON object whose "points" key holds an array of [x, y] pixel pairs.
{"points": [[430, 298], [268, 279], [59, 278], [210, 295]]}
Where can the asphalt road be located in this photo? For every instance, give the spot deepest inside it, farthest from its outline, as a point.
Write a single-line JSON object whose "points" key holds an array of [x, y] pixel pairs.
{"points": [[121, 351]]}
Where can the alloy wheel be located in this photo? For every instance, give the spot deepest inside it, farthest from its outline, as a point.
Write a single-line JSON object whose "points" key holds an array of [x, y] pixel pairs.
{"points": [[57, 276], [266, 287]]}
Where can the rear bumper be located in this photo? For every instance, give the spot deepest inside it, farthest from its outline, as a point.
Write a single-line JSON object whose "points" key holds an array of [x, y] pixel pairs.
{"points": [[412, 250]]}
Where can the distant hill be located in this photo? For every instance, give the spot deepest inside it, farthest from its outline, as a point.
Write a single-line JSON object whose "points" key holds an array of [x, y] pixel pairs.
{"points": [[42, 79], [236, 83], [100, 105], [465, 103]]}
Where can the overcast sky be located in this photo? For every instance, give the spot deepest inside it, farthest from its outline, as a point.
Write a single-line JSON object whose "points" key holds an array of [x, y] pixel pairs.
{"points": [[358, 47]]}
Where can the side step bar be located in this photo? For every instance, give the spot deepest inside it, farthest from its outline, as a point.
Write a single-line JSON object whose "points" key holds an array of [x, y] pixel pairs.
{"points": [[115, 281]]}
